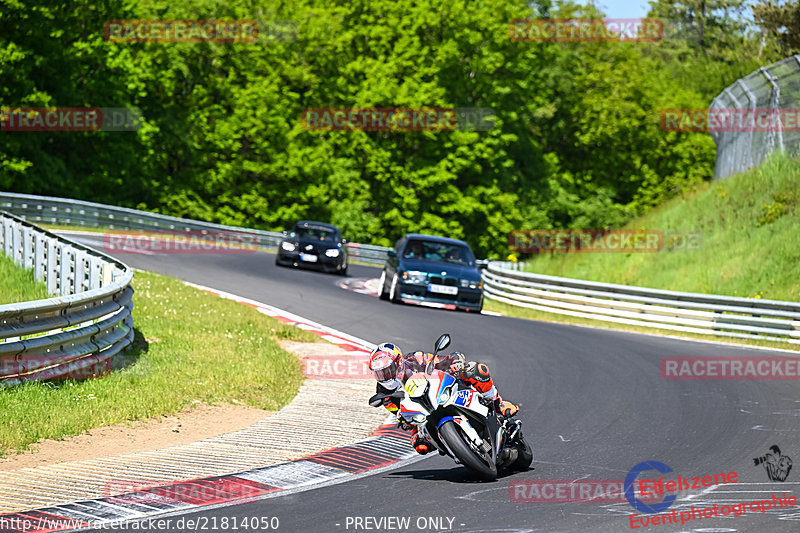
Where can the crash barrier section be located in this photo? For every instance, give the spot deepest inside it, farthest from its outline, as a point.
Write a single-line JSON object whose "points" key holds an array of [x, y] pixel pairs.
{"points": [[774, 90], [67, 212], [746, 318], [76, 333]]}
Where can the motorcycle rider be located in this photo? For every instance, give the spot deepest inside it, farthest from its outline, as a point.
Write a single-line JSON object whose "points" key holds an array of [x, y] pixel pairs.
{"points": [[391, 370]]}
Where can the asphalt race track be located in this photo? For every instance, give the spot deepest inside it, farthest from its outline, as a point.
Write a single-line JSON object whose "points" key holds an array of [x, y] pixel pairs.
{"points": [[592, 402]]}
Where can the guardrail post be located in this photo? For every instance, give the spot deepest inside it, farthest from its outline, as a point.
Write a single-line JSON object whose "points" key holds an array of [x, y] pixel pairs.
{"points": [[51, 269], [6, 231], [107, 275], [16, 251], [94, 273], [65, 263], [38, 257], [79, 276], [27, 248]]}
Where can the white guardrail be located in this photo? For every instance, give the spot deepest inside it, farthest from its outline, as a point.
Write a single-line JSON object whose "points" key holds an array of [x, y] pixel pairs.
{"points": [[76, 333], [639, 306], [63, 211], [653, 308]]}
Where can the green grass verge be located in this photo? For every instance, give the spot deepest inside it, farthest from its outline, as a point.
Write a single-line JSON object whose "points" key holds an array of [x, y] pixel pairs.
{"points": [[750, 240], [17, 284], [190, 346]]}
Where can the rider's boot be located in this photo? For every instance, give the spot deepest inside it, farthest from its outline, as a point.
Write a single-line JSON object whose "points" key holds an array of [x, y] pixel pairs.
{"points": [[420, 443]]}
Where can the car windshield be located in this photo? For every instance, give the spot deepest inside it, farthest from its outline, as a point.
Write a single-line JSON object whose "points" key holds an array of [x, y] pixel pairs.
{"points": [[318, 234], [438, 251]]}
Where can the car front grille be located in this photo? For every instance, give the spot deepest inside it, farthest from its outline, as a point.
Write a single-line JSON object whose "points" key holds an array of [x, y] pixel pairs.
{"points": [[439, 280]]}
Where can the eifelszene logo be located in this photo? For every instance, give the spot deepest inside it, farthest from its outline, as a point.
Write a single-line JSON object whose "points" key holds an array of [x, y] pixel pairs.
{"points": [[638, 504]]}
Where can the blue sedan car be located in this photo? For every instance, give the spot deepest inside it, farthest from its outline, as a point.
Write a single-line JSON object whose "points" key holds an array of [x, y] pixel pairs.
{"points": [[432, 271]]}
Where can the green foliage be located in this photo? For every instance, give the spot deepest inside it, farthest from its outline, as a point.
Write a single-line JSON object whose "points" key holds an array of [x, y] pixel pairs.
{"points": [[575, 142]]}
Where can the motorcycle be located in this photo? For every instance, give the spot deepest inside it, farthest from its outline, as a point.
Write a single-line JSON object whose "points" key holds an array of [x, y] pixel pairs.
{"points": [[459, 421]]}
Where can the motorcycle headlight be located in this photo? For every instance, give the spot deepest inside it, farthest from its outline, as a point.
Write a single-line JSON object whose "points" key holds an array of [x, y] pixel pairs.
{"points": [[288, 246], [418, 419], [332, 252], [414, 276]]}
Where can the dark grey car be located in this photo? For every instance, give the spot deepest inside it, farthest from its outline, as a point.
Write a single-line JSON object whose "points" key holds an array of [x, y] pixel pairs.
{"points": [[313, 245], [432, 271]]}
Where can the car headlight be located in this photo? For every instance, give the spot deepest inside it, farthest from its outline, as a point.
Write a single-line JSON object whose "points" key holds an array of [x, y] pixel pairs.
{"points": [[414, 276], [468, 283], [332, 252], [288, 246]]}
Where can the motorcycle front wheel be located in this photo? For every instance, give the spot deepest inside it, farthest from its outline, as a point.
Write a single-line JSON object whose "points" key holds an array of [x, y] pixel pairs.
{"points": [[524, 457], [480, 464]]}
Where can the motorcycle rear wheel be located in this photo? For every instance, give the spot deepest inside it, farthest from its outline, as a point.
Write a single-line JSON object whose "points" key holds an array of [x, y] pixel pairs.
{"points": [[484, 468]]}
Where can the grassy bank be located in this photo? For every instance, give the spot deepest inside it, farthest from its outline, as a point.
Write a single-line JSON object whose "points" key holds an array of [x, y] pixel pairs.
{"points": [[17, 284], [749, 246], [750, 243], [190, 346]]}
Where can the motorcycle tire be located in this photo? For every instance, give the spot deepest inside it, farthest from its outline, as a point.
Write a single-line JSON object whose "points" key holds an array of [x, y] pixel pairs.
{"points": [[524, 456], [452, 436], [383, 294]]}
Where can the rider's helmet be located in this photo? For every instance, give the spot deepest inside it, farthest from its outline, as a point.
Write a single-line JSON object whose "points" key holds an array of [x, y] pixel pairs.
{"points": [[384, 362]]}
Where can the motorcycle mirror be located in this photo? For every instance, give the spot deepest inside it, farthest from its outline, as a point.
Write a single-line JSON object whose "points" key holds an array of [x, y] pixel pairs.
{"points": [[442, 343]]}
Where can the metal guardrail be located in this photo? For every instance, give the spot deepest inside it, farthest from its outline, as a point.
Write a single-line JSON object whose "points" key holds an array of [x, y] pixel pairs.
{"points": [[769, 89], [63, 211], [654, 308], [76, 333]]}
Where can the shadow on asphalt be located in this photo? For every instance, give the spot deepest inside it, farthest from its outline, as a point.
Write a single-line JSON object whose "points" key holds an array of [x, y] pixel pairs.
{"points": [[456, 474]]}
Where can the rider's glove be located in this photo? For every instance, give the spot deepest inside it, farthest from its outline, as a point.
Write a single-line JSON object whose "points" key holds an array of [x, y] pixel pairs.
{"points": [[458, 362], [456, 367]]}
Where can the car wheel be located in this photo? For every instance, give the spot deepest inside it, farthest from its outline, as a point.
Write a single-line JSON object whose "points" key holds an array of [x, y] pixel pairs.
{"points": [[393, 290], [382, 292]]}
